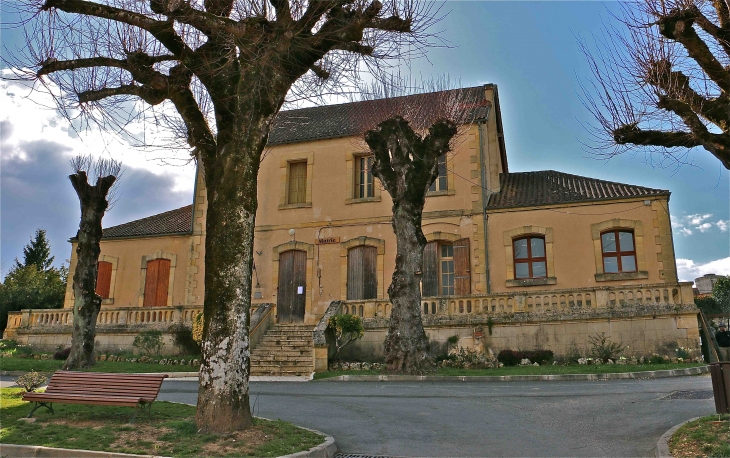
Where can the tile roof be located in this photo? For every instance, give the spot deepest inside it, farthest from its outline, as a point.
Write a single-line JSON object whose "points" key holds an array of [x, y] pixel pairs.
{"points": [[172, 222], [350, 119], [528, 189]]}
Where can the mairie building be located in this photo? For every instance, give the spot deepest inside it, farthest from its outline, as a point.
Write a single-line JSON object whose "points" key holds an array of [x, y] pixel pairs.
{"points": [[526, 260]]}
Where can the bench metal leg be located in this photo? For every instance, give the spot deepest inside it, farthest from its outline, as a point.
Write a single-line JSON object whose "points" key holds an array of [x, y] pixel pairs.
{"points": [[144, 407], [47, 405]]}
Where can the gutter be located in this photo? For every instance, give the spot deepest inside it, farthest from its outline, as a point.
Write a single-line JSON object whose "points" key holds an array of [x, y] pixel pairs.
{"points": [[483, 155]]}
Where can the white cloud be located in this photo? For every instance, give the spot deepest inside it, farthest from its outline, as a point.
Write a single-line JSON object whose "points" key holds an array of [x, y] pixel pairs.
{"points": [[688, 270], [704, 227], [688, 224]]}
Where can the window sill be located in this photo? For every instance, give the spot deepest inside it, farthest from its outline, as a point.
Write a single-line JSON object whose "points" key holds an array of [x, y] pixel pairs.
{"points": [[642, 274], [447, 192], [531, 282], [108, 301], [288, 206], [362, 200]]}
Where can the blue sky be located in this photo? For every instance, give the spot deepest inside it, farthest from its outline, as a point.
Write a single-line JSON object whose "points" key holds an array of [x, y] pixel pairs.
{"points": [[529, 49]]}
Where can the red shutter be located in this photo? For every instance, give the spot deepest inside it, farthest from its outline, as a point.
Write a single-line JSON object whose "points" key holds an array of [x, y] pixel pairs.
{"points": [[462, 268], [156, 283], [104, 279]]}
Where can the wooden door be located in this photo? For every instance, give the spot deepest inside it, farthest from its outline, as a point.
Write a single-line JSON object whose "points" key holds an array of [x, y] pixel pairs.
{"points": [[292, 291], [430, 271], [156, 283], [362, 282], [104, 279], [462, 268]]}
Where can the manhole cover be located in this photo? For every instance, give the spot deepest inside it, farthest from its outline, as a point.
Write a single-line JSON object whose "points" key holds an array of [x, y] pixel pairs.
{"points": [[689, 394]]}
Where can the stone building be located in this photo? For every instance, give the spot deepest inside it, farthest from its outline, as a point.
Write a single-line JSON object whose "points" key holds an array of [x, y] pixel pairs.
{"points": [[520, 260], [706, 282]]}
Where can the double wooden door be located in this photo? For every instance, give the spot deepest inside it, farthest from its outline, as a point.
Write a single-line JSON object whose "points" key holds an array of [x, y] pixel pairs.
{"points": [[292, 292]]}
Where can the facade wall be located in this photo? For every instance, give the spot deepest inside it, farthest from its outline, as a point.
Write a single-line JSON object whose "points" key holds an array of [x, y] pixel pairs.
{"points": [[128, 258], [573, 245]]}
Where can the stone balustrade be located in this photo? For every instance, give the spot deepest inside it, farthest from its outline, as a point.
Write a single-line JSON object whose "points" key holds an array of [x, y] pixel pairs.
{"points": [[535, 302]]}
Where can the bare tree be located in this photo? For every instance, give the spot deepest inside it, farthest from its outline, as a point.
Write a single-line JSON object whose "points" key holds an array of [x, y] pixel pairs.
{"points": [[414, 133], [223, 69], [95, 200], [662, 82]]}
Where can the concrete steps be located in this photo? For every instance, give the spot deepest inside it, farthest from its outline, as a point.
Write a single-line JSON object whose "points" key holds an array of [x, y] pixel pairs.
{"points": [[285, 349]]}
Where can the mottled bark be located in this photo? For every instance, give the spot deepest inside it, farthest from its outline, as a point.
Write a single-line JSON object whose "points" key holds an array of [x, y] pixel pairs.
{"points": [[87, 303], [406, 165]]}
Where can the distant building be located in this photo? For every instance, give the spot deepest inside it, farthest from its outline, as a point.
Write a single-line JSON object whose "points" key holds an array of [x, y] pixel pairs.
{"points": [[706, 282]]}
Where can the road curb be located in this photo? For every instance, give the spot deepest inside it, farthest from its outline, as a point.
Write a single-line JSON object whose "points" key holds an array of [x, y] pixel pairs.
{"points": [[662, 446], [521, 378], [326, 449]]}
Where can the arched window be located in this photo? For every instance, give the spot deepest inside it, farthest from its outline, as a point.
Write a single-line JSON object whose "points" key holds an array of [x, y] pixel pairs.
{"points": [[529, 257], [362, 282], [619, 251]]}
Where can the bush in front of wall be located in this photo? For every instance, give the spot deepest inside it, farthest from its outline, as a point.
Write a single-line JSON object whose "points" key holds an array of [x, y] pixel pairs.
{"points": [[149, 342], [538, 356], [509, 357], [183, 337], [62, 354]]}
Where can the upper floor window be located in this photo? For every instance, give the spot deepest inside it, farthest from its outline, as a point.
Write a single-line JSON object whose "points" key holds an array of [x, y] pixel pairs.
{"points": [[529, 257], [297, 192], [441, 182], [104, 279], [619, 251], [364, 187]]}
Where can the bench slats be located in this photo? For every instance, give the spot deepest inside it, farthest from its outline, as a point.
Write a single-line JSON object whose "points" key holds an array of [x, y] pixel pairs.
{"points": [[99, 389]]}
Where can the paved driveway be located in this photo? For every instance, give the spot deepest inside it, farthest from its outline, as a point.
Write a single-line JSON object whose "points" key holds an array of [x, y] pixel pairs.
{"points": [[609, 418]]}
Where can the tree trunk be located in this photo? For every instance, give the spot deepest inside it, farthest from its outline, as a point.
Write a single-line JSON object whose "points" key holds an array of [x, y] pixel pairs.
{"points": [[86, 302], [223, 399], [406, 345]]}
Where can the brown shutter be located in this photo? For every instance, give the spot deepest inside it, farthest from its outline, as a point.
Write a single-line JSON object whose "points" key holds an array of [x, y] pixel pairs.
{"points": [[362, 282], [430, 272], [104, 279], [156, 283], [297, 183], [462, 269], [292, 275]]}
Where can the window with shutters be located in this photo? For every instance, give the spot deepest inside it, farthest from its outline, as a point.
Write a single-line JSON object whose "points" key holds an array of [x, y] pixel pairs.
{"points": [[157, 282], [362, 280], [446, 269], [104, 279], [441, 183], [364, 186], [619, 252], [529, 257], [297, 183]]}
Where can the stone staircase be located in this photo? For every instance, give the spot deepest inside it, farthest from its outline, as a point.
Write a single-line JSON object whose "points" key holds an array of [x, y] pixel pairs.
{"points": [[286, 349]]}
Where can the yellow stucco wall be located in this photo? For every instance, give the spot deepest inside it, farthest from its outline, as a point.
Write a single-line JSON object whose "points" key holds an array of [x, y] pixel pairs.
{"points": [[573, 247], [128, 258]]}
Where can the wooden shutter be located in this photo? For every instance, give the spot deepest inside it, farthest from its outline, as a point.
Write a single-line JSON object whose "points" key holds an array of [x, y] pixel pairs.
{"points": [[430, 271], [157, 282], [462, 268], [362, 282], [104, 279], [297, 183]]}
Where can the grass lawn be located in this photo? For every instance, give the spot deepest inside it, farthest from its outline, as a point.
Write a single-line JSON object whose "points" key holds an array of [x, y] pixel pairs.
{"points": [[171, 431], [706, 437], [529, 370], [14, 363]]}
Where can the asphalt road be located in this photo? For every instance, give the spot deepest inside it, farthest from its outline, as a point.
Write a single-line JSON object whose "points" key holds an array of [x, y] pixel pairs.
{"points": [[615, 418]]}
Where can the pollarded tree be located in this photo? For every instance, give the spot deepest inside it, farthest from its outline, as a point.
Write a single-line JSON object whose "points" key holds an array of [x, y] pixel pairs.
{"points": [[406, 145], [663, 84], [94, 200], [223, 68]]}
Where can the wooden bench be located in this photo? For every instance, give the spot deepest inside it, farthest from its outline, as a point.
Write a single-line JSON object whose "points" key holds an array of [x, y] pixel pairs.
{"points": [[104, 389]]}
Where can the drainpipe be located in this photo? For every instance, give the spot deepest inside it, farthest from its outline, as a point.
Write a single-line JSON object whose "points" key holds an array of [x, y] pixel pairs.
{"points": [[483, 157]]}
